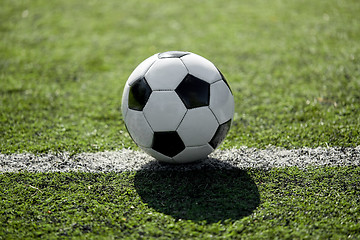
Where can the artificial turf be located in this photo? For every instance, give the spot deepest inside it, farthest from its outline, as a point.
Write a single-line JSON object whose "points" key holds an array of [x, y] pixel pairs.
{"points": [[294, 70], [284, 203]]}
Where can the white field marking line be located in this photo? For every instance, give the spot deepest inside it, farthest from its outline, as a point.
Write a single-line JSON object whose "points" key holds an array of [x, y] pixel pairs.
{"points": [[130, 160]]}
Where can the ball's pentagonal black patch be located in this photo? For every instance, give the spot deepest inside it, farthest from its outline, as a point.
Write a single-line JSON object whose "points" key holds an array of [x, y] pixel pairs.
{"points": [[224, 79], [220, 134], [172, 54], [139, 94], [168, 143], [194, 92]]}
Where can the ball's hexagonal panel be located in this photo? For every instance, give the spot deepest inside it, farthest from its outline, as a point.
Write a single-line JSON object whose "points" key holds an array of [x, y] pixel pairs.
{"points": [[198, 126], [194, 92], [167, 143], [125, 100], [191, 154], [139, 94], [164, 111], [139, 129], [201, 67], [172, 54], [141, 69], [166, 74], [221, 101], [220, 134], [158, 156]]}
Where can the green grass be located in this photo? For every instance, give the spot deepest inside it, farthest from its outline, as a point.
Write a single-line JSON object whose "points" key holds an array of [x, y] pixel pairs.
{"points": [[294, 70], [293, 67], [316, 203]]}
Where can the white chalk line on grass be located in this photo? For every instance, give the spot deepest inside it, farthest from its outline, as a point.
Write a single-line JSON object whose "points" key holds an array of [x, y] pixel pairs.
{"points": [[130, 160]]}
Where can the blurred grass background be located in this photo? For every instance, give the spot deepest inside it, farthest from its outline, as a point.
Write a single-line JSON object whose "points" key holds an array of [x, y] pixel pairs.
{"points": [[293, 66]]}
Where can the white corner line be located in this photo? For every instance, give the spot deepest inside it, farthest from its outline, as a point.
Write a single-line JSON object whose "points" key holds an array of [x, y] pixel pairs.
{"points": [[130, 160]]}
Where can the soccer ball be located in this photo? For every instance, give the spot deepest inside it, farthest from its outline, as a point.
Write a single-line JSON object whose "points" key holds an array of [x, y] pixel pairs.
{"points": [[177, 106]]}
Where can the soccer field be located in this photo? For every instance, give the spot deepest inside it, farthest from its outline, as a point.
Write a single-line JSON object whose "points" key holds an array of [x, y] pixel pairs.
{"points": [[288, 169]]}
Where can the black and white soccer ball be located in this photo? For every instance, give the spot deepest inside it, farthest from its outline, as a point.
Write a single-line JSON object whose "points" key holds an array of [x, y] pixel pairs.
{"points": [[177, 106]]}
